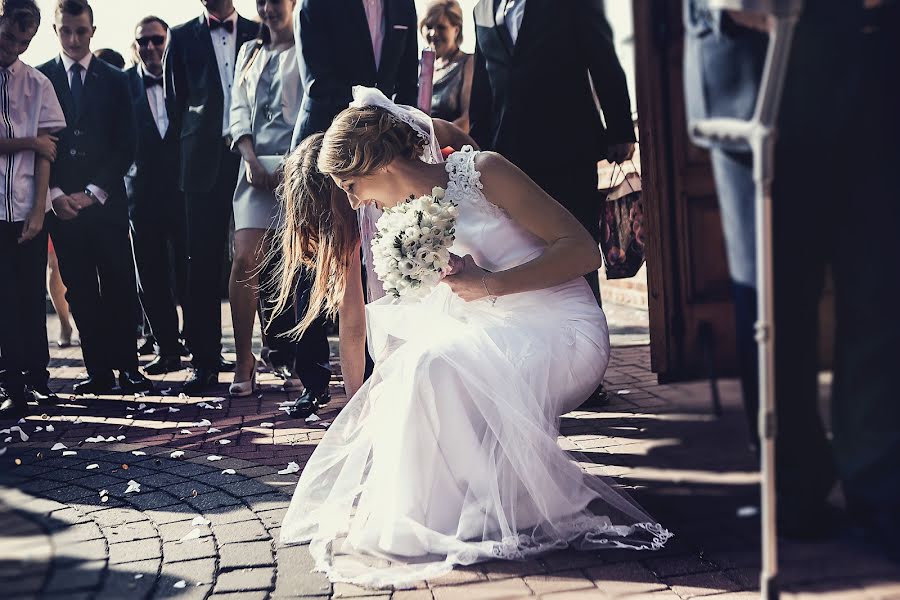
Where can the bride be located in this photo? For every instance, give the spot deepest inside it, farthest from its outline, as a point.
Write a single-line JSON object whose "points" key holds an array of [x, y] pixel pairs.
{"points": [[447, 454]]}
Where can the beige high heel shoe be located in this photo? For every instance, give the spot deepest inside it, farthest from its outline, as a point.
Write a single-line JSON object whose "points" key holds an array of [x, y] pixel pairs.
{"points": [[244, 388]]}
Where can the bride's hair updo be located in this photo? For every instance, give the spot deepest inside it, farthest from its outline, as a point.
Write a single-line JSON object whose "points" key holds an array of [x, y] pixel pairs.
{"points": [[364, 139], [318, 234]]}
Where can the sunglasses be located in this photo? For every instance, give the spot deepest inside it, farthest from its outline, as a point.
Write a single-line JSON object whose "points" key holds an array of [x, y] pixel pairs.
{"points": [[158, 40]]}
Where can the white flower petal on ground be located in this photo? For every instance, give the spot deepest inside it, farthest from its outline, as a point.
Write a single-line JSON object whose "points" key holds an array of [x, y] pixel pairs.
{"points": [[129, 416], [93, 466], [120, 438], [59, 446], [193, 534], [69, 453], [113, 439], [267, 424], [291, 468], [229, 472], [139, 453], [138, 575], [213, 430], [182, 396], [312, 418], [172, 409], [38, 429], [180, 585], [186, 431], [198, 521], [214, 457], [177, 454], [224, 442], [202, 423], [149, 411], [104, 493], [141, 406], [7, 440], [2, 451], [94, 440], [623, 392], [22, 434], [133, 487]]}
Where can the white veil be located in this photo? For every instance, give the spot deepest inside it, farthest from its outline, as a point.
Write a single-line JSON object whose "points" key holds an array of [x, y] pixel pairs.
{"points": [[368, 215]]}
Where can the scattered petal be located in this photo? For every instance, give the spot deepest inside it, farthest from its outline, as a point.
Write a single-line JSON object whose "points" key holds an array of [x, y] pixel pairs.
{"points": [[4, 430], [213, 430], [22, 434], [7, 440], [623, 392], [139, 453], [291, 468], [94, 440], [198, 521], [69, 453], [325, 424], [113, 438], [177, 454], [179, 585], [93, 466], [186, 431], [129, 416], [138, 575], [21, 422], [746, 512], [133, 487], [182, 396], [193, 534], [149, 411], [229, 472], [141, 406], [166, 392], [213, 457], [38, 429], [267, 424], [49, 428], [119, 438], [104, 492], [202, 423], [224, 442], [104, 499], [59, 446], [312, 418], [172, 409], [2, 451]]}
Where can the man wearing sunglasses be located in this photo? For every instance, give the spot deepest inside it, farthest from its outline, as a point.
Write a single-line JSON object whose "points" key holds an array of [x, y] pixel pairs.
{"points": [[155, 202]]}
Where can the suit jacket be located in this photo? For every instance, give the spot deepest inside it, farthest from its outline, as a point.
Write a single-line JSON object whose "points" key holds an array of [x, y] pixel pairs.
{"points": [[97, 146], [152, 181], [334, 48], [532, 101], [195, 89]]}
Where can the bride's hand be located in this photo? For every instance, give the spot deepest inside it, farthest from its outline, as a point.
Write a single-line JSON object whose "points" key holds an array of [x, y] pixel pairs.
{"points": [[466, 278]]}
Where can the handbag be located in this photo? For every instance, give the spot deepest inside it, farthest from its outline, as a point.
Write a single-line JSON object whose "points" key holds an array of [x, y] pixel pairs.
{"points": [[622, 234]]}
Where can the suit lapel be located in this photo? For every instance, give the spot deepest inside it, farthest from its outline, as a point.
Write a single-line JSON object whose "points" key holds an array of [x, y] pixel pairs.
{"points": [[528, 20], [143, 110], [205, 45], [61, 81], [356, 12], [92, 84], [501, 30]]}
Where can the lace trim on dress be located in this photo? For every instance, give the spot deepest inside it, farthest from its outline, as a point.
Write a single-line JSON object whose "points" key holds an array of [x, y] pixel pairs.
{"points": [[466, 179]]}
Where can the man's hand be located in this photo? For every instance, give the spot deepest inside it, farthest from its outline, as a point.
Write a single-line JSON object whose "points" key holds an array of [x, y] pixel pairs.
{"points": [[45, 145], [82, 200], [65, 208], [33, 225], [257, 176], [619, 153]]}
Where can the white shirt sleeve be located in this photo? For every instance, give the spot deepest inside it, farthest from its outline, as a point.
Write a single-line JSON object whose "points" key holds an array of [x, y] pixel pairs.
{"points": [[50, 115]]}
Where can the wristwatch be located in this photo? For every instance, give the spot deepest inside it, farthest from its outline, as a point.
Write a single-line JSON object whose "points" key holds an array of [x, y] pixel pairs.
{"points": [[92, 195]]}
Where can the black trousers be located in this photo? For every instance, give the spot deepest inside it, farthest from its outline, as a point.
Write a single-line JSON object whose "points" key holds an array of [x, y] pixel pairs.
{"points": [[575, 187], [160, 250], [208, 217], [24, 355], [97, 266]]}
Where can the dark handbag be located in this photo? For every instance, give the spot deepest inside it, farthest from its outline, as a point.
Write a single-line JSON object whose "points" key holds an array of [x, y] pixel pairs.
{"points": [[622, 235]]}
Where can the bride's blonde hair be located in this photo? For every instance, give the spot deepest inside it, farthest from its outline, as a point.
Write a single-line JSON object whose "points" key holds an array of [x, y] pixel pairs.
{"points": [[364, 139], [319, 236]]}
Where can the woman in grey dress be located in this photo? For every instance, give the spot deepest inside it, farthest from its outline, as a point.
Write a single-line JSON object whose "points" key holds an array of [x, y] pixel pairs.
{"points": [[265, 102], [453, 69]]}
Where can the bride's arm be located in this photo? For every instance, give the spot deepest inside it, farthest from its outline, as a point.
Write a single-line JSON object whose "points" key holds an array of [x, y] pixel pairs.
{"points": [[571, 252], [352, 329]]}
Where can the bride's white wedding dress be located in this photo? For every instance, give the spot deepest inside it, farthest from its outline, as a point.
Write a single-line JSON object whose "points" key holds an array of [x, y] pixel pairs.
{"points": [[448, 454]]}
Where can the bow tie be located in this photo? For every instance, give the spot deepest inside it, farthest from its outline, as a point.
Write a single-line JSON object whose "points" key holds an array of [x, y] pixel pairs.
{"points": [[216, 24], [150, 81]]}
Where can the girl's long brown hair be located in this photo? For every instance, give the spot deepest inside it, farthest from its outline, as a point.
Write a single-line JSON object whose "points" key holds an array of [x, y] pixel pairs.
{"points": [[319, 236]]}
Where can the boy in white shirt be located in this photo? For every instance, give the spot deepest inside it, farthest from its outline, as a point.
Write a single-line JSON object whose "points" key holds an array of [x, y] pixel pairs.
{"points": [[29, 113]]}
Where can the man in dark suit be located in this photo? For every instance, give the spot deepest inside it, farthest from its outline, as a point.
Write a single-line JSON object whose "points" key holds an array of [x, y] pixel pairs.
{"points": [[839, 105], [342, 43], [199, 67], [90, 229], [155, 202], [538, 66]]}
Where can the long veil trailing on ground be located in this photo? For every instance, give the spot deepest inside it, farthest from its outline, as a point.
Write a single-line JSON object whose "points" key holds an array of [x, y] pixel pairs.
{"points": [[368, 215]]}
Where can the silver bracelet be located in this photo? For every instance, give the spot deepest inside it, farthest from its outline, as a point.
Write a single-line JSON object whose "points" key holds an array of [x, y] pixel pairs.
{"points": [[491, 297]]}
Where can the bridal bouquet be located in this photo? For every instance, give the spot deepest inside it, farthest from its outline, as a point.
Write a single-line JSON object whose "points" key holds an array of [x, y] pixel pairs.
{"points": [[410, 252]]}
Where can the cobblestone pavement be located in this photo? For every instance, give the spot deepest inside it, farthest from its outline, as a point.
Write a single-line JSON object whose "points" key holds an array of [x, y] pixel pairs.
{"points": [[202, 516]]}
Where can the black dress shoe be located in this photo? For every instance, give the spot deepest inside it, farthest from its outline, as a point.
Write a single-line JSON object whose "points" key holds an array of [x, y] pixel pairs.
{"points": [[163, 364], [225, 365], [307, 404], [95, 384], [200, 382], [148, 347], [132, 382], [42, 394], [599, 398]]}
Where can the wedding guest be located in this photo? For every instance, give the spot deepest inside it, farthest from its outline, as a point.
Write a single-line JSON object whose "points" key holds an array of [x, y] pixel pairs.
{"points": [[155, 202], [839, 93], [442, 28], [57, 291], [30, 113], [90, 226], [199, 88], [568, 50], [110, 57], [265, 103]]}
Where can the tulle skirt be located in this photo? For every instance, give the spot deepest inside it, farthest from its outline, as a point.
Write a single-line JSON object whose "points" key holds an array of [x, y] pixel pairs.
{"points": [[448, 454]]}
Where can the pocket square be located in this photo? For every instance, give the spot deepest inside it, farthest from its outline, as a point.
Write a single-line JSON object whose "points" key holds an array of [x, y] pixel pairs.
{"points": [[400, 27]]}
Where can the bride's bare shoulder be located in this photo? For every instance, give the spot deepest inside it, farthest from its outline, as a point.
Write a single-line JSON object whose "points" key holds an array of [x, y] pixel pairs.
{"points": [[495, 169]]}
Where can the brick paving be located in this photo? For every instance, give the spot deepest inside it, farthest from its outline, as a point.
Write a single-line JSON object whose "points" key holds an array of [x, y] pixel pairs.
{"points": [[206, 519]]}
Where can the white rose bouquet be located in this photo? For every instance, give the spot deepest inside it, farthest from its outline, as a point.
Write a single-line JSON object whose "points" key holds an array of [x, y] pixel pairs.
{"points": [[410, 252]]}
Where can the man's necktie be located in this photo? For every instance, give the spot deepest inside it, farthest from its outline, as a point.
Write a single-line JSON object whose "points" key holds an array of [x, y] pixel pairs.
{"points": [[77, 84], [226, 25]]}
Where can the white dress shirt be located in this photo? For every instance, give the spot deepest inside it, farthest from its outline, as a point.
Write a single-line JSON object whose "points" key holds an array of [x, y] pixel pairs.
{"points": [[28, 103], [157, 100], [85, 63], [375, 17], [225, 47], [511, 13]]}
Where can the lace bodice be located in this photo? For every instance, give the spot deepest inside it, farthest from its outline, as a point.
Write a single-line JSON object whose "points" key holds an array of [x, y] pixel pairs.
{"points": [[483, 229]]}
